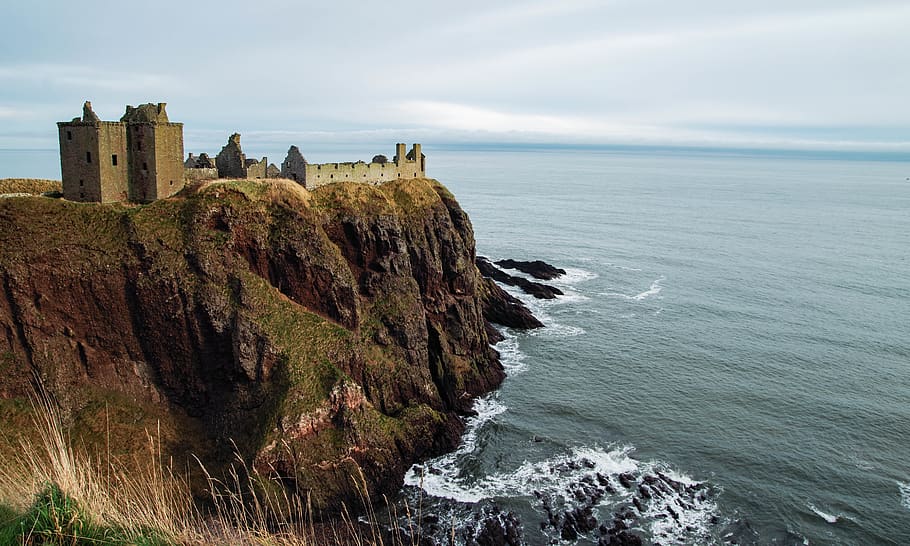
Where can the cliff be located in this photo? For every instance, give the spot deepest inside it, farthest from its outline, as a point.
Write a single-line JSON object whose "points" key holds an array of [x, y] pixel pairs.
{"points": [[312, 332]]}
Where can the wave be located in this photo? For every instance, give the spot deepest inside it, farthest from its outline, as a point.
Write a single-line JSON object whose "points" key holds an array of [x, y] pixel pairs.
{"points": [[510, 355], [441, 476], [830, 518], [904, 489], [671, 506], [575, 275], [652, 291], [539, 308], [621, 267]]}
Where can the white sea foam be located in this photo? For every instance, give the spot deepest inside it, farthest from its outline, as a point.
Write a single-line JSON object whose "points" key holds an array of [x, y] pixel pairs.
{"points": [[904, 488], [539, 308], [652, 291], [672, 515], [830, 518], [574, 276], [441, 477], [510, 354], [622, 267]]}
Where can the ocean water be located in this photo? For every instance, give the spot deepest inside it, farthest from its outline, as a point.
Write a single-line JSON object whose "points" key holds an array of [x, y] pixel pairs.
{"points": [[739, 323]]}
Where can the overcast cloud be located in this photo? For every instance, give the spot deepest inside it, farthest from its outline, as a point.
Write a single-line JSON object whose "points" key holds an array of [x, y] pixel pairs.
{"points": [[826, 74]]}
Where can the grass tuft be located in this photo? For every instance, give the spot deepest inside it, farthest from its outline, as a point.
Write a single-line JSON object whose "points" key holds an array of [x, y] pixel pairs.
{"points": [[82, 501]]}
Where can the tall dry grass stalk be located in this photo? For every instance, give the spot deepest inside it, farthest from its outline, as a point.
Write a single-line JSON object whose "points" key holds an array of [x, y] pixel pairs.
{"points": [[150, 499]]}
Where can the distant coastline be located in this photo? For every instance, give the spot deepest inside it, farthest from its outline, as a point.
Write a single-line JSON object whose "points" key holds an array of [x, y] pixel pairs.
{"points": [[31, 162]]}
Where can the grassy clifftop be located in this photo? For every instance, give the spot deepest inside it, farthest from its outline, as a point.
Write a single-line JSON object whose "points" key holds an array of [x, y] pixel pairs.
{"points": [[318, 334], [33, 186]]}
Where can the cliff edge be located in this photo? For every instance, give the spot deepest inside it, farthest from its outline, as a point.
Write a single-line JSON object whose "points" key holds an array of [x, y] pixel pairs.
{"points": [[315, 333]]}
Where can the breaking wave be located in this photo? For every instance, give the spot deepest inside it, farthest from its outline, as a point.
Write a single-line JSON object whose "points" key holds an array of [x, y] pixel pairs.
{"points": [[604, 483], [652, 291], [904, 489], [830, 518], [511, 357]]}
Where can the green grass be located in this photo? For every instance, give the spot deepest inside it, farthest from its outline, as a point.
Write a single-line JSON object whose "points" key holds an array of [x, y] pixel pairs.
{"points": [[55, 518]]}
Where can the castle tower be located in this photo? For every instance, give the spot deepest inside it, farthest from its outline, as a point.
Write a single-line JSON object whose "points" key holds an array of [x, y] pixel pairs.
{"points": [[419, 160], [155, 147], [400, 153], [93, 158]]}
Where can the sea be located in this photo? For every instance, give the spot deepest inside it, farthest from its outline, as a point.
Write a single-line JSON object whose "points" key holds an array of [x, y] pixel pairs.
{"points": [[730, 360]]}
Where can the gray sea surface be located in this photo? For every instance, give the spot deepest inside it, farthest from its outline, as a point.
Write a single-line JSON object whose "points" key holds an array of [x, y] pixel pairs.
{"points": [[742, 322]]}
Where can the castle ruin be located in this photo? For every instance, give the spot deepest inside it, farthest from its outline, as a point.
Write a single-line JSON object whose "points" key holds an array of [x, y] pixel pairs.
{"points": [[139, 158], [412, 164]]}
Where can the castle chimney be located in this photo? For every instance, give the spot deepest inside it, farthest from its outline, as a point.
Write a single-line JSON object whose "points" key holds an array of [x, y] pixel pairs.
{"points": [[418, 157], [400, 153], [87, 113]]}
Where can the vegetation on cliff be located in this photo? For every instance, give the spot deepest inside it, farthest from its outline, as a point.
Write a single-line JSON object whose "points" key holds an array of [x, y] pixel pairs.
{"points": [[33, 186], [316, 335]]}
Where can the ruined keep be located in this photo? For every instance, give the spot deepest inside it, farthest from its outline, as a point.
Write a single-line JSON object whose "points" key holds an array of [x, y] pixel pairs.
{"points": [[139, 158], [294, 166], [231, 162]]}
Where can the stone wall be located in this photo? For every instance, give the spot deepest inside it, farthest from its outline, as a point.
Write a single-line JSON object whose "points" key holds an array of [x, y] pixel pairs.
{"points": [[370, 173], [92, 152], [230, 161], [199, 174], [138, 158], [294, 166], [168, 159], [257, 169]]}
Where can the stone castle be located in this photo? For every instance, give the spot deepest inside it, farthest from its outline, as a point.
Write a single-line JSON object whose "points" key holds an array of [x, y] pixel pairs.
{"points": [[140, 159]]}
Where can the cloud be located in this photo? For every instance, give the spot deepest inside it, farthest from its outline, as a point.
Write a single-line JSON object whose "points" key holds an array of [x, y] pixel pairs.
{"points": [[777, 71], [531, 127]]}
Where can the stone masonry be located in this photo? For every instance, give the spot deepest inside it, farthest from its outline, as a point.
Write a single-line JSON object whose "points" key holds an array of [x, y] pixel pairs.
{"points": [[139, 158]]}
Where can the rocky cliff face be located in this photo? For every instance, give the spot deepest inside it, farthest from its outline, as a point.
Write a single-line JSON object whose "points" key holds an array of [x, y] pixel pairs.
{"points": [[315, 333]]}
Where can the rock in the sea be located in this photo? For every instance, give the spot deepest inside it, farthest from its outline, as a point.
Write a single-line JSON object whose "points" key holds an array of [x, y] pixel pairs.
{"points": [[502, 308], [535, 268], [536, 289]]}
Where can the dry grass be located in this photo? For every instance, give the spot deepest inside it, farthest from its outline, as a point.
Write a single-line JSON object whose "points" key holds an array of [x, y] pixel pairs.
{"points": [[33, 186], [52, 493]]}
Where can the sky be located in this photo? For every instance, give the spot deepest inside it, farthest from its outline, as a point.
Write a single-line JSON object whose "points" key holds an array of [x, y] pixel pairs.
{"points": [[773, 74]]}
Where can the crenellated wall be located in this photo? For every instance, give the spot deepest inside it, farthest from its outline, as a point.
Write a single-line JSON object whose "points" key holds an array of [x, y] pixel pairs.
{"points": [[402, 166]]}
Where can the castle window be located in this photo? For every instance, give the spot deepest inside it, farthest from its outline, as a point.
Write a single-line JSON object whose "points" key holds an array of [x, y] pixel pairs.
{"points": [[331, 176], [114, 159], [81, 195], [139, 145], [88, 157], [145, 166], [69, 135], [172, 182], [81, 183]]}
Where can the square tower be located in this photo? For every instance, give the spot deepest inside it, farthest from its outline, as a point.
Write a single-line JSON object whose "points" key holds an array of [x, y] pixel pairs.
{"points": [[93, 158], [155, 152]]}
